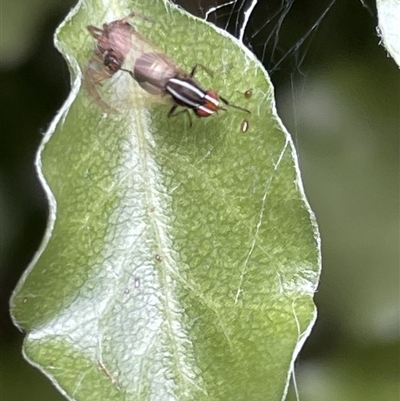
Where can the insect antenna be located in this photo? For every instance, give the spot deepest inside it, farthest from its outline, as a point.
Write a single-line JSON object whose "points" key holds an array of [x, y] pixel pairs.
{"points": [[233, 105]]}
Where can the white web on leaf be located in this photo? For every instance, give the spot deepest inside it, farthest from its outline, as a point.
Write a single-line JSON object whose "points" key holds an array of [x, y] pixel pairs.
{"points": [[266, 27]]}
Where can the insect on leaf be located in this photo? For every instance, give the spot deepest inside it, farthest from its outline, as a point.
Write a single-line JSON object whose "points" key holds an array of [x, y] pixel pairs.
{"points": [[179, 262]]}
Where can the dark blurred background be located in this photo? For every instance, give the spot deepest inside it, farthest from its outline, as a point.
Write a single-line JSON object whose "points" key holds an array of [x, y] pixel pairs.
{"points": [[338, 94]]}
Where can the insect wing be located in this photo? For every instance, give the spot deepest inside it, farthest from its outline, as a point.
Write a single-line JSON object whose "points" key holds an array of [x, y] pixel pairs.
{"points": [[93, 76], [118, 44], [152, 71]]}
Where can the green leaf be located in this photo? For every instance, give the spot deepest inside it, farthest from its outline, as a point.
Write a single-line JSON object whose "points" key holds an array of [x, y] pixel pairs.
{"points": [[179, 263]]}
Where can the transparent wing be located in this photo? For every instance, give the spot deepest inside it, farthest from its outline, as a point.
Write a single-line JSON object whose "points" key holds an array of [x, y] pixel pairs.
{"points": [[118, 44]]}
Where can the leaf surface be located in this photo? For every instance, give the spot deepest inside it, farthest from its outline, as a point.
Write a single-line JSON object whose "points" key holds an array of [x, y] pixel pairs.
{"points": [[179, 263]]}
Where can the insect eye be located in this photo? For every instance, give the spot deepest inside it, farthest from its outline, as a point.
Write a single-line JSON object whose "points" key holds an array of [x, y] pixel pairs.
{"points": [[203, 111], [212, 94], [111, 62], [108, 59]]}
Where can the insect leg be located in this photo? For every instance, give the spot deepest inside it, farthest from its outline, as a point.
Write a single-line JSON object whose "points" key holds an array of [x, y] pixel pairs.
{"points": [[207, 70], [129, 72], [172, 113], [135, 14], [94, 31]]}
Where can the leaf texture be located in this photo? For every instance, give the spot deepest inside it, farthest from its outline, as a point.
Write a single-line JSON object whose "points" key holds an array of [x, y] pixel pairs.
{"points": [[180, 262]]}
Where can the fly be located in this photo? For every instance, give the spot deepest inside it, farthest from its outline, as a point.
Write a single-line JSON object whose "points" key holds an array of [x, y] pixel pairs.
{"points": [[155, 72], [159, 75]]}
